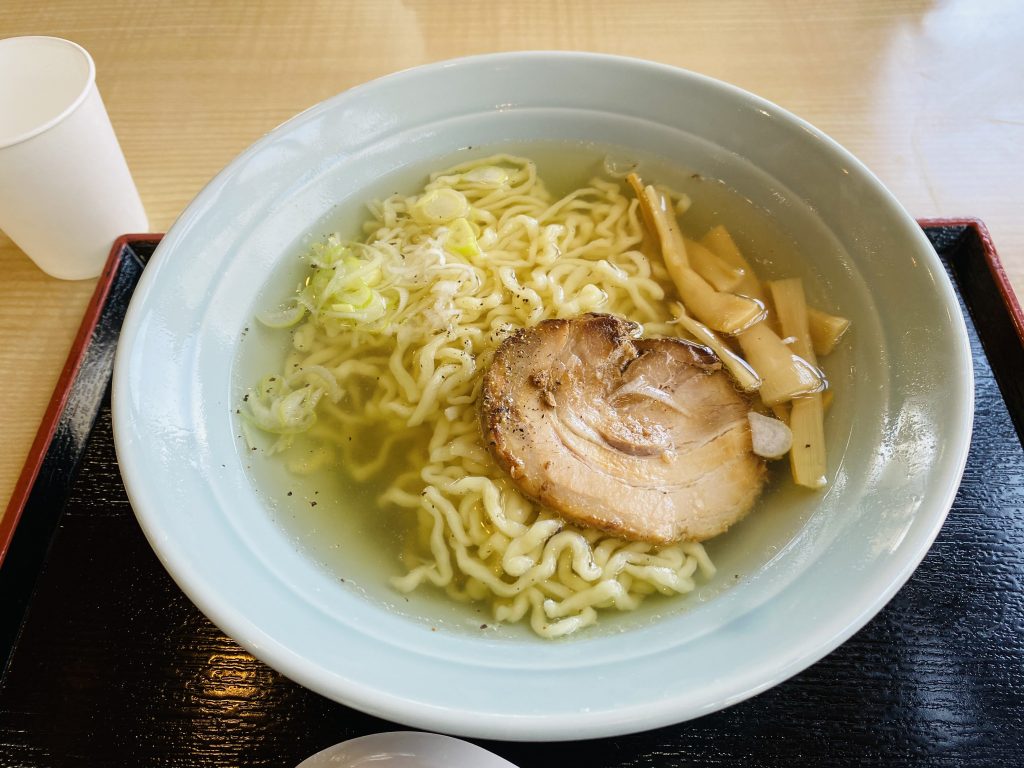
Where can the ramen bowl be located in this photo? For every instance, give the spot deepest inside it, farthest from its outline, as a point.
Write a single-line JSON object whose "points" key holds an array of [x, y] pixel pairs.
{"points": [[309, 594]]}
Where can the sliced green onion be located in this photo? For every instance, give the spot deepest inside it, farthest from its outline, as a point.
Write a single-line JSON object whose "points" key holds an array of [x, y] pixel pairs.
{"points": [[488, 175], [462, 240], [439, 206], [282, 317]]}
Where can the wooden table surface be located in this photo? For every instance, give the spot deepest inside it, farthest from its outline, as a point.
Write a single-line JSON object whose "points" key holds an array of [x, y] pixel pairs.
{"points": [[930, 95]]}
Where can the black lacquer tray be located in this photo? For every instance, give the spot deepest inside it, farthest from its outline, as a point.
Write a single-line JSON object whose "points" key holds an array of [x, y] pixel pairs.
{"points": [[108, 663]]}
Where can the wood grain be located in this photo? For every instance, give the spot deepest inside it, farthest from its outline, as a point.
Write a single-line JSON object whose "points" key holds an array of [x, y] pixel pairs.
{"points": [[927, 94]]}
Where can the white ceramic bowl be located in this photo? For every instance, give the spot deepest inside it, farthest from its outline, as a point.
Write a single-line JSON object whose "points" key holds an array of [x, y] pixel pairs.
{"points": [[793, 584]]}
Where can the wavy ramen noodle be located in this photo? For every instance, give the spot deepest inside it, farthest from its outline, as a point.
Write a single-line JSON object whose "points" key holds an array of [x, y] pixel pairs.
{"points": [[391, 336]]}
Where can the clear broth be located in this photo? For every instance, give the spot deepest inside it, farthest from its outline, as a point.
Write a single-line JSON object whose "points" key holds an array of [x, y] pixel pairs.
{"points": [[337, 521]]}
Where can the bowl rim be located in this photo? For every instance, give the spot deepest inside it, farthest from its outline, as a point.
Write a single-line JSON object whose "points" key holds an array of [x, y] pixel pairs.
{"points": [[544, 726]]}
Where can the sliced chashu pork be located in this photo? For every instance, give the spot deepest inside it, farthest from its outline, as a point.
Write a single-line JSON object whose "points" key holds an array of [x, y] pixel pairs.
{"points": [[647, 439]]}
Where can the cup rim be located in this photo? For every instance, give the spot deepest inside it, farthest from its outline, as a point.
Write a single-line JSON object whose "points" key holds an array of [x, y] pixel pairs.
{"points": [[66, 112]]}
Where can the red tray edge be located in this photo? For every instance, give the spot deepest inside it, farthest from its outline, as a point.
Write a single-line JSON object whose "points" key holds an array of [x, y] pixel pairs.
{"points": [[995, 266], [48, 425]]}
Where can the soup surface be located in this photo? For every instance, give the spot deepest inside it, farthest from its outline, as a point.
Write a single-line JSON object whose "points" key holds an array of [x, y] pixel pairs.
{"points": [[363, 431]]}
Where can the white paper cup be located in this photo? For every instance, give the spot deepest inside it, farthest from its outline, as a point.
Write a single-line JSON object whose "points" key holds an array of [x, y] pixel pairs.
{"points": [[65, 190]]}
